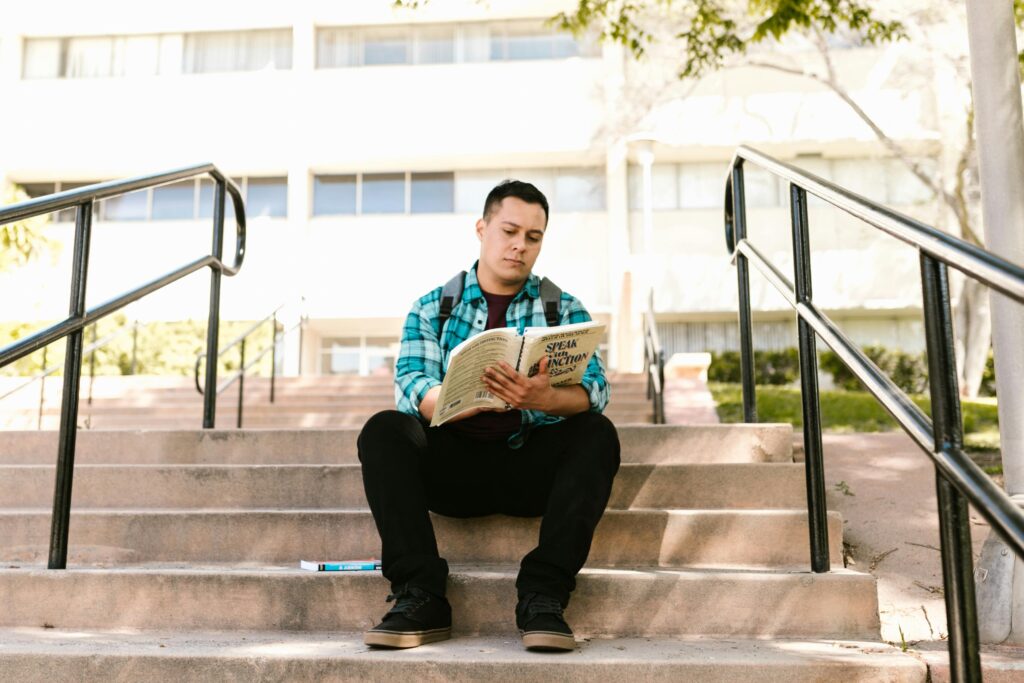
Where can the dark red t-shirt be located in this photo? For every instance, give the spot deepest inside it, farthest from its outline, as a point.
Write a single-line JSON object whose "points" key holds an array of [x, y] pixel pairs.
{"points": [[491, 425]]}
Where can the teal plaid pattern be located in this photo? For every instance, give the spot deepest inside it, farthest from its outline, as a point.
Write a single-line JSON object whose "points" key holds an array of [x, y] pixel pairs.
{"points": [[425, 349]]}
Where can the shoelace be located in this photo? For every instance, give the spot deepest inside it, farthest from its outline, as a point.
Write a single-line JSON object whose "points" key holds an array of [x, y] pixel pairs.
{"points": [[407, 600], [542, 604]]}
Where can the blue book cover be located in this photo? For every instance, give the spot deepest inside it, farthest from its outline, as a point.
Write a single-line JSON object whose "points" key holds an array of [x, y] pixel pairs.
{"points": [[344, 566]]}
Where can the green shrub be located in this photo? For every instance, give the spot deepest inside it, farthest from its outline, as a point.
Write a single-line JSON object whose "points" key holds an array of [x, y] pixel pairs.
{"points": [[988, 377], [770, 367], [909, 371]]}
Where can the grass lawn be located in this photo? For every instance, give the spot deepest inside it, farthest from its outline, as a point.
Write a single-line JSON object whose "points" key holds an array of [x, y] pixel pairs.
{"points": [[851, 411]]}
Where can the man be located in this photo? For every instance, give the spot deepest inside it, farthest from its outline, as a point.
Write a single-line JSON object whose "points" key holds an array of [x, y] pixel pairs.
{"points": [[553, 454]]}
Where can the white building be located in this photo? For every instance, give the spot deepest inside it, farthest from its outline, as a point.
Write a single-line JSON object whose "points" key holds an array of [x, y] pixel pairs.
{"points": [[366, 138]]}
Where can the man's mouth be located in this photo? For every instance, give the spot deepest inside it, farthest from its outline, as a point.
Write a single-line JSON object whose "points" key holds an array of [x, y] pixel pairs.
{"points": [[514, 262]]}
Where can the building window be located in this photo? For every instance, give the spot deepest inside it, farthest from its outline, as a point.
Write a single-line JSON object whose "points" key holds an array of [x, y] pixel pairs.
{"points": [[133, 206], [334, 195], [527, 41], [383, 193], [385, 46], [182, 200], [446, 44], [237, 51], [432, 193], [175, 201], [207, 194], [266, 197]]}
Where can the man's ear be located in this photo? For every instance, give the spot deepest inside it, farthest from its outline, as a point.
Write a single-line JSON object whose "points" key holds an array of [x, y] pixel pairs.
{"points": [[480, 225]]}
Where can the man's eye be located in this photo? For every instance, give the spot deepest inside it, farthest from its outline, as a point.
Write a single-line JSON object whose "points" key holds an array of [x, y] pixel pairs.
{"points": [[533, 239], [510, 232]]}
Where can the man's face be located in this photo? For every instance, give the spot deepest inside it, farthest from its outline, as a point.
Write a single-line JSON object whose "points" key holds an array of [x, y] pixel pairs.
{"points": [[510, 241]]}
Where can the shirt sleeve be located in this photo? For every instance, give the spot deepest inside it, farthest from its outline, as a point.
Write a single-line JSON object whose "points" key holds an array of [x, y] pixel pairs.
{"points": [[418, 368], [594, 381]]}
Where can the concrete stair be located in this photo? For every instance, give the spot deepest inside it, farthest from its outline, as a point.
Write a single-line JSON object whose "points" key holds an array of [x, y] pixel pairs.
{"points": [[185, 545], [306, 402]]}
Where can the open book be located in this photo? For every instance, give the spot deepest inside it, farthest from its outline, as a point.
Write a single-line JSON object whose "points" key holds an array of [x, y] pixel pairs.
{"points": [[568, 348]]}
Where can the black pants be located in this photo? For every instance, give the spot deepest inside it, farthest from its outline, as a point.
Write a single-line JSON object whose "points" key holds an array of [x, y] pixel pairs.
{"points": [[563, 472]]}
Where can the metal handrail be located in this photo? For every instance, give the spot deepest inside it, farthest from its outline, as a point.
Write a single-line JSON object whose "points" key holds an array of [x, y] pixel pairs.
{"points": [[654, 362], [79, 317], [239, 375], [958, 479]]}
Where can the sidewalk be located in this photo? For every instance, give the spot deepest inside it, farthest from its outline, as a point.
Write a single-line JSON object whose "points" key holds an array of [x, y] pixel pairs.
{"points": [[884, 486]]}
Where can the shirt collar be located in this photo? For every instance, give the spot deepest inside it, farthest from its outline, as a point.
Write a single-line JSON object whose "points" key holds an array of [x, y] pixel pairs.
{"points": [[471, 290]]}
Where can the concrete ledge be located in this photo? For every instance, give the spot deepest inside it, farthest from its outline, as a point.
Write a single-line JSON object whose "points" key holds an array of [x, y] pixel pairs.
{"points": [[661, 602], [732, 443], [644, 538], [37, 655], [711, 486]]}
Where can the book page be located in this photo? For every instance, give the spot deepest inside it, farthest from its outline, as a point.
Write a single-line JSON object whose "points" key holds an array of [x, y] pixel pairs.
{"points": [[568, 348], [462, 388]]}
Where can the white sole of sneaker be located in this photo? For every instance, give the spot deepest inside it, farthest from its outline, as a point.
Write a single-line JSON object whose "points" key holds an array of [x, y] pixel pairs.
{"points": [[405, 639], [548, 641]]}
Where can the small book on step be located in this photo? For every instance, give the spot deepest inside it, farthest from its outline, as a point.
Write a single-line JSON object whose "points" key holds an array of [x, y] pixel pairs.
{"points": [[343, 566]]}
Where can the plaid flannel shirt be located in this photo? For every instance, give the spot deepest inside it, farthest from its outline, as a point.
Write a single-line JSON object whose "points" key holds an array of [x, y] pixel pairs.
{"points": [[425, 349]]}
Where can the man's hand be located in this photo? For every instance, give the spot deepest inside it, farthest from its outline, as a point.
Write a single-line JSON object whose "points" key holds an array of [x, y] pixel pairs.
{"points": [[429, 404], [534, 393]]}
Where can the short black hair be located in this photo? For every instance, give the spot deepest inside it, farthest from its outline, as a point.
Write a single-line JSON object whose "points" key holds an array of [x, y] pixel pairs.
{"points": [[518, 189]]}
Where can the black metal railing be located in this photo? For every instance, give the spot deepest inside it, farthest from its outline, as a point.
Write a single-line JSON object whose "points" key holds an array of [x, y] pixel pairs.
{"points": [[243, 367], [73, 327], [958, 478], [654, 362]]}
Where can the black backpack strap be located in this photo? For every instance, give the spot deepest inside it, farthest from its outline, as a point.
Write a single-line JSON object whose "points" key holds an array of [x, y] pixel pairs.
{"points": [[450, 293], [551, 297]]}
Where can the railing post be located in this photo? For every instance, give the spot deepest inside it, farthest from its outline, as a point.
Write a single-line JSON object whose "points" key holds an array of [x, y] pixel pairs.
{"points": [[42, 389], [69, 402], [739, 206], [273, 355], [92, 362], [213, 321], [135, 344], [814, 465], [241, 381], [954, 523]]}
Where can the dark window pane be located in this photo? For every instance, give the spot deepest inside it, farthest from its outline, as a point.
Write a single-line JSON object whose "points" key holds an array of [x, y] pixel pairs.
{"points": [[174, 201], [206, 200], [384, 193], [386, 47], [433, 193], [126, 207], [267, 197], [334, 195]]}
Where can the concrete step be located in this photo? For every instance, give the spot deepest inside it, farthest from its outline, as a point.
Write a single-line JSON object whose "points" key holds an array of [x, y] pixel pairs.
{"points": [[625, 603], [686, 486], [329, 420], [44, 655], [283, 405], [640, 443], [624, 538]]}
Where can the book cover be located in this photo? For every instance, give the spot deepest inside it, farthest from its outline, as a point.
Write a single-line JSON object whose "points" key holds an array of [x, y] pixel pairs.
{"points": [[567, 347], [343, 566]]}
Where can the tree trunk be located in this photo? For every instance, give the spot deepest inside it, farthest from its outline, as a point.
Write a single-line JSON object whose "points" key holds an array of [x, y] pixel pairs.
{"points": [[972, 322]]}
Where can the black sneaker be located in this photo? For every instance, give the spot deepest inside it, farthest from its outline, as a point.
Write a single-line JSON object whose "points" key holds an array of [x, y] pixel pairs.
{"points": [[539, 619], [417, 618]]}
